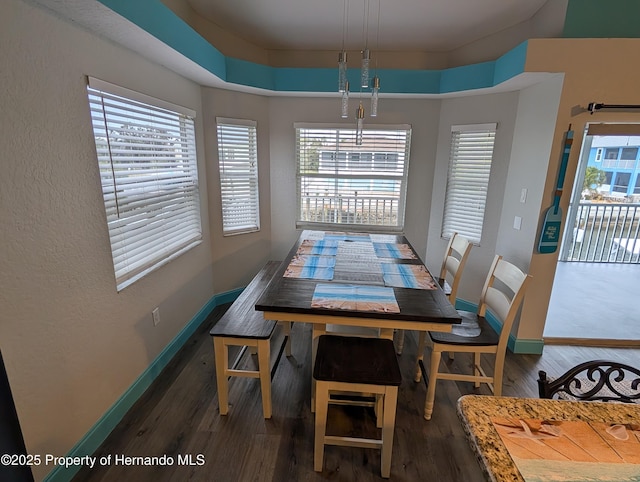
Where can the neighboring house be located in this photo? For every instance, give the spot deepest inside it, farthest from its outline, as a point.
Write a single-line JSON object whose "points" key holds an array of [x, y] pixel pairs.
{"points": [[619, 158]]}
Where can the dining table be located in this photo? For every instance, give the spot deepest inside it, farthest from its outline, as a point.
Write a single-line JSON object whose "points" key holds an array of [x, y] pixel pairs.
{"points": [[356, 279], [534, 439]]}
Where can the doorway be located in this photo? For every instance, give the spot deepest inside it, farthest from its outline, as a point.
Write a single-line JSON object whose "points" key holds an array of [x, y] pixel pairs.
{"points": [[594, 298]]}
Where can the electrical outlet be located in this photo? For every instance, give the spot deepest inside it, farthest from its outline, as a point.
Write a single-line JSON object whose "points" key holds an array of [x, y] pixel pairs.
{"points": [[156, 316]]}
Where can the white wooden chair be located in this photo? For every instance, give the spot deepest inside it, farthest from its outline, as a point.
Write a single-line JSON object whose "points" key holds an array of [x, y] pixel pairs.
{"points": [[455, 259], [475, 335]]}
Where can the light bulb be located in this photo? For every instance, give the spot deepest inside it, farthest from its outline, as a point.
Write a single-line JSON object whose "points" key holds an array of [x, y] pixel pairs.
{"points": [[342, 71], [364, 73], [345, 101], [374, 96]]}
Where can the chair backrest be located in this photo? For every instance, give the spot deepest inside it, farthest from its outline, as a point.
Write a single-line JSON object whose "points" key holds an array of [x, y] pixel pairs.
{"points": [[455, 258], [503, 298], [599, 380]]}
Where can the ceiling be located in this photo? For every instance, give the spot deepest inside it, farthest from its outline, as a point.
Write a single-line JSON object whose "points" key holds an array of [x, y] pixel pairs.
{"points": [[414, 25]]}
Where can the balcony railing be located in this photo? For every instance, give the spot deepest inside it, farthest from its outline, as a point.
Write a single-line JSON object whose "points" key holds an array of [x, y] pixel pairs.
{"points": [[377, 211], [605, 233]]}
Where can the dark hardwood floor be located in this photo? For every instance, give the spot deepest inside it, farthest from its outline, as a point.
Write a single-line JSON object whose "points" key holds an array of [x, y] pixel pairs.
{"points": [[178, 416]]}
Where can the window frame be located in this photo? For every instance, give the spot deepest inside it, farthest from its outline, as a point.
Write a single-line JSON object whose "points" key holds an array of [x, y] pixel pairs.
{"points": [[349, 171], [457, 213], [243, 169], [149, 182]]}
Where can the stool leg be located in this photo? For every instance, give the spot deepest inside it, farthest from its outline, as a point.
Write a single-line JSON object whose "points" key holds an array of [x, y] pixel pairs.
{"points": [[322, 403], [379, 410], [221, 351], [317, 331], [389, 415], [265, 376]]}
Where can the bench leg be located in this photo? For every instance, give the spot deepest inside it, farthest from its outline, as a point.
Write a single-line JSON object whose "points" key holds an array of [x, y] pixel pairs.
{"points": [[221, 351], [264, 367]]}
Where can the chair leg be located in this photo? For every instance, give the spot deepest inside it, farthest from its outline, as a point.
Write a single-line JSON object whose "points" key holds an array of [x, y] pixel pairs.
{"points": [[421, 343], [390, 401], [221, 353], [497, 375], [265, 376], [433, 378], [322, 400], [399, 341], [476, 368]]}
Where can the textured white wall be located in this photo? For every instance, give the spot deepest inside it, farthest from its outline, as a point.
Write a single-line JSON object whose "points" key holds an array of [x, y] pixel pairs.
{"points": [[499, 108], [71, 343], [235, 258]]}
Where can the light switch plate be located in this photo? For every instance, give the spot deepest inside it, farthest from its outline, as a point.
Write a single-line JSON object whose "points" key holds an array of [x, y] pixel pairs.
{"points": [[517, 222]]}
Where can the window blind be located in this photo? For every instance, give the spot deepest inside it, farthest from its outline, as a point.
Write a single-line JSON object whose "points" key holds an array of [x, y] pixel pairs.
{"points": [[468, 180], [339, 182], [238, 164], [148, 170]]}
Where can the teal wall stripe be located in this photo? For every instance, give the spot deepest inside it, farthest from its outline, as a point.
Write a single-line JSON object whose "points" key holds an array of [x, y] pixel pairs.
{"points": [[510, 64], [467, 77], [520, 346], [158, 20], [600, 19], [103, 427]]}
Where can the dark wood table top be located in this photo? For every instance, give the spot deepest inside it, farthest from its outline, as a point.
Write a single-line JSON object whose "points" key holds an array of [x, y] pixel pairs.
{"points": [[419, 308]]}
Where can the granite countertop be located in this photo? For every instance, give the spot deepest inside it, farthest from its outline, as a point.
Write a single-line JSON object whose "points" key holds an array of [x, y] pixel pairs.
{"points": [[476, 411]]}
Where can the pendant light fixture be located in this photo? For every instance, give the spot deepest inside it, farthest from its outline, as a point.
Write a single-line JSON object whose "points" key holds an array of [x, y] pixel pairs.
{"points": [[359, 124], [342, 56], [344, 107], [375, 87], [366, 55]]}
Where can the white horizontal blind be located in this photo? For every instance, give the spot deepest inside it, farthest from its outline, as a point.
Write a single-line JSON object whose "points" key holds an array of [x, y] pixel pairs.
{"points": [[238, 164], [340, 182], [148, 169], [468, 180]]}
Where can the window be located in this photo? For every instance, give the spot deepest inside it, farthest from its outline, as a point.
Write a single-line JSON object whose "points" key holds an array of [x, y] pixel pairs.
{"points": [[468, 180], [238, 164], [628, 156], [355, 186], [147, 158], [621, 182]]}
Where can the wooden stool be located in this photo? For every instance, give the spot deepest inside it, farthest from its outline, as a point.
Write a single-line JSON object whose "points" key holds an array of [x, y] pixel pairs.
{"points": [[355, 364]]}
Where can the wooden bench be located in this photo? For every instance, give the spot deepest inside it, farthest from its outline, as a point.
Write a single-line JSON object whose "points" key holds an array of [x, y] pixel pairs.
{"points": [[243, 326]]}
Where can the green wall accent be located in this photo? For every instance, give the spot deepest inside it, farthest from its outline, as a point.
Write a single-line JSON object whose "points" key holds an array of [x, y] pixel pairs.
{"points": [[602, 19], [103, 427]]}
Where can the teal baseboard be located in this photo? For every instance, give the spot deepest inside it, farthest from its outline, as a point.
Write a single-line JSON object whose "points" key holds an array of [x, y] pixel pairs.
{"points": [[515, 345], [103, 427]]}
